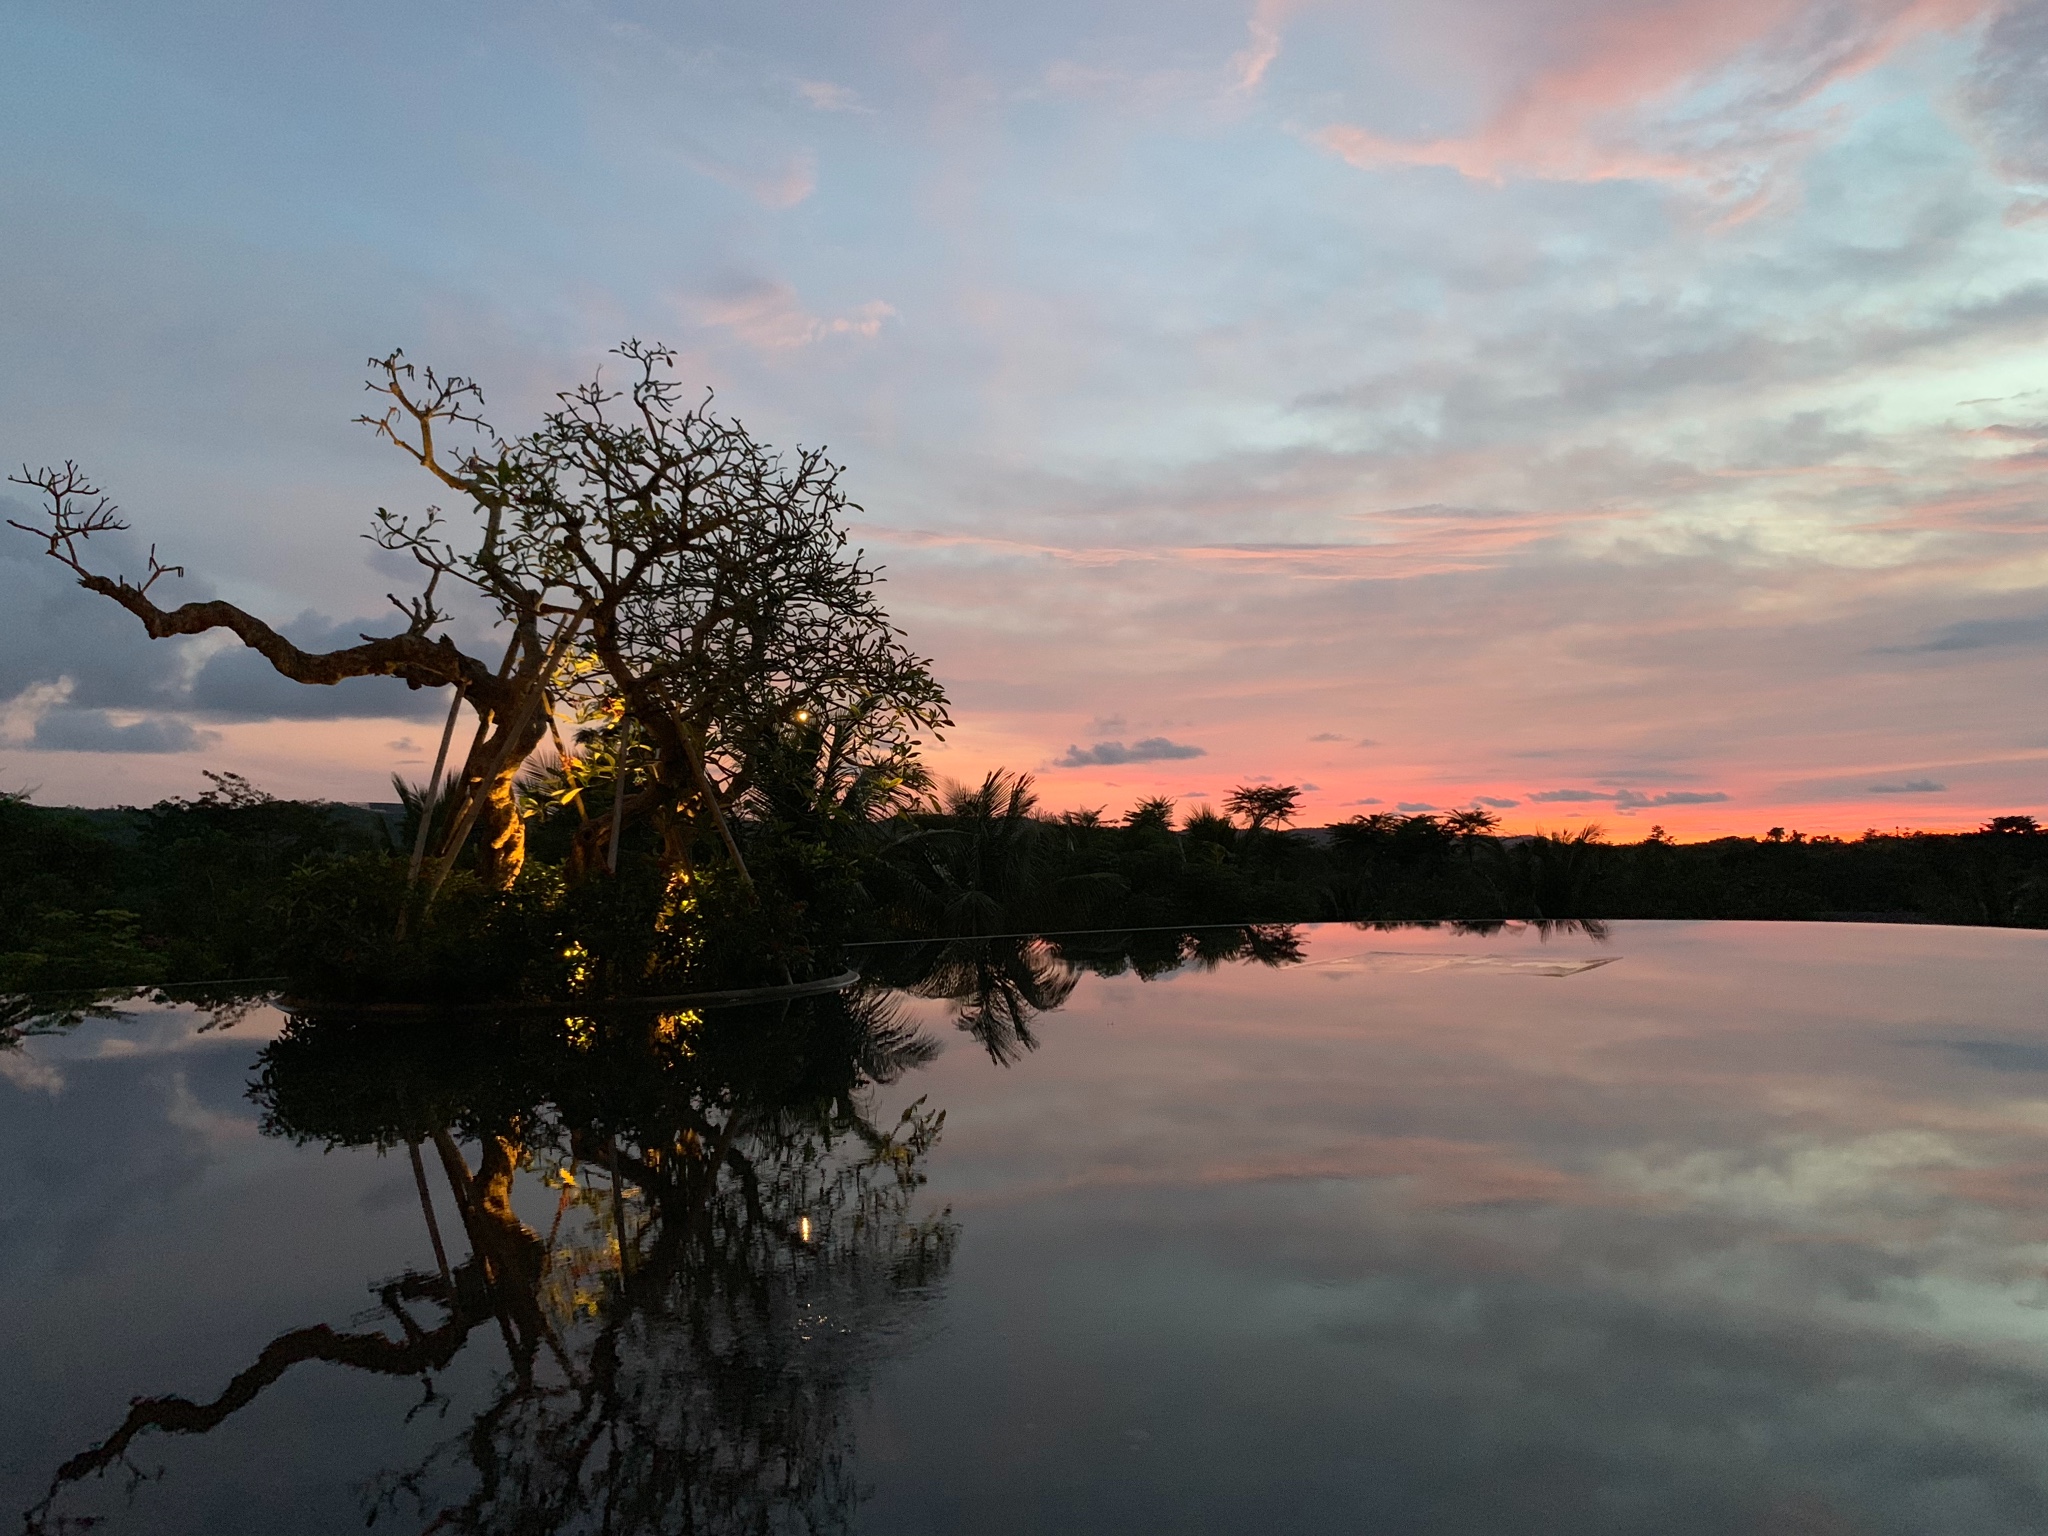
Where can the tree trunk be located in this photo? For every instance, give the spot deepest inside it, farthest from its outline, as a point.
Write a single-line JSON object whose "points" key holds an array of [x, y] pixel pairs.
{"points": [[501, 846]]}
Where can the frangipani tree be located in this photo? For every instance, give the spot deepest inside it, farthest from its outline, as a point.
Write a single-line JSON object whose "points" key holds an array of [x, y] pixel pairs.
{"points": [[648, 562]]}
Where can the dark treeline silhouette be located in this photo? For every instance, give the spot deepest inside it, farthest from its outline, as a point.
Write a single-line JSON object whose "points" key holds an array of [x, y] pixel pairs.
{"points": [[189, 889], [1455, 866], [234, 884]]}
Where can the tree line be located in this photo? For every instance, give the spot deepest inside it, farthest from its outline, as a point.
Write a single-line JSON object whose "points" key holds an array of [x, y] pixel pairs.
{"points": [[234, 884]]}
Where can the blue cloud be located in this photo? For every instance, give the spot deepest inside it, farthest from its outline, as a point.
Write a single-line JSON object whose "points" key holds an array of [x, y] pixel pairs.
{"points": [[1979, 635], [1629, 800], [1499, 805], [1108, 754], [238, 684], [1626, 799], [1413, 806], [94, 730], [1910, 787]]}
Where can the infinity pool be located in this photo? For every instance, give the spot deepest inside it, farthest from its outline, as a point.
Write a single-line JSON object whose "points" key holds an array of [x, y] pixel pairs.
{"points": [[1672, 1227]]}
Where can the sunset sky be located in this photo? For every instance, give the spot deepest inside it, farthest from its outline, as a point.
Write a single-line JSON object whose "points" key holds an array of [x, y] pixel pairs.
{"points": [[1620, 409]]}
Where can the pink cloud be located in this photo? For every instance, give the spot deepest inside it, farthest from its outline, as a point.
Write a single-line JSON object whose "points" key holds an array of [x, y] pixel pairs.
{"points": [[778, 186], [1631, 99], [771, 317], [1414, 541], [1249, 64], [827, 97]]}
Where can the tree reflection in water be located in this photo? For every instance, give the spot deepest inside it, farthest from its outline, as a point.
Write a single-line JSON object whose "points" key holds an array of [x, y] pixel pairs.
{"points": [[731, 1234], [999, 985]]}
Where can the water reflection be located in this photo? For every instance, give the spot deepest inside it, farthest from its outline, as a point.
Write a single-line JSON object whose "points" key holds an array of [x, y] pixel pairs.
{"points": [[729, 1236], [1740, 1234], [998, 985]]}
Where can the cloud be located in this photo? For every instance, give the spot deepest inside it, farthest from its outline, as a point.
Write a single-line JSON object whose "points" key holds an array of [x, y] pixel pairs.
{"points": [[50, 628], [1108, 754], [1412, 806], [1249, 64], [1326, 736], [1978, 635], [95, 730], [1909, 787], [1630, 800], [827, 97], [43, 718], [1311, 787], [2007, 92], [1368, 800], [30, 1075], [1574, 470], [1626, 800], [56, 636], [1499, 805], [2001, 1055], [238, 684], [778, 186], [1712, 94], [770, 317]]}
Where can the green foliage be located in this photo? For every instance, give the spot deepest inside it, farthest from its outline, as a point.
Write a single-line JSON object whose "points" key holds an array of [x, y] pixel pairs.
{"points": [[207, 873], [52, 949], [187, 890]]}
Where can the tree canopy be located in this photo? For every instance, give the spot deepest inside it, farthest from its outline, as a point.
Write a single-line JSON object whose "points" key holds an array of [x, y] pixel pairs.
{"points": [[657, 572], [1263, 805]]}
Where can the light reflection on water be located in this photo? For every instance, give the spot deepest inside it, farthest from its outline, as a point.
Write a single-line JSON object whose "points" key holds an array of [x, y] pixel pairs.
{"points": [[1745, 1230]]}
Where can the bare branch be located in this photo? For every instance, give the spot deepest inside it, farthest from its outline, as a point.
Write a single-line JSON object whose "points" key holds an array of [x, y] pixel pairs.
{"points": [[423, 398], [76, 512]]}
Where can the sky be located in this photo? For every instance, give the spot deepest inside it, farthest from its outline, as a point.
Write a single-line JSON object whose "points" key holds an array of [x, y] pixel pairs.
{"points": [[1625, 410]]}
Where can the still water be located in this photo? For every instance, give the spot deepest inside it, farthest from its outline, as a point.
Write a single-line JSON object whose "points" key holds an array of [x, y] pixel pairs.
{"points": [[1679, 1228]]}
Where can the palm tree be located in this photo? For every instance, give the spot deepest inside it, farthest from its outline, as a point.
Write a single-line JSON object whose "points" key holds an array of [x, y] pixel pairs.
{"points": [[1549, 875], [973, 866]]}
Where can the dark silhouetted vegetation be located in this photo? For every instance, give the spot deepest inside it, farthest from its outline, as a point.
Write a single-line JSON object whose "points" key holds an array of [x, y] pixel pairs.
{"points": [[232, 883]]}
